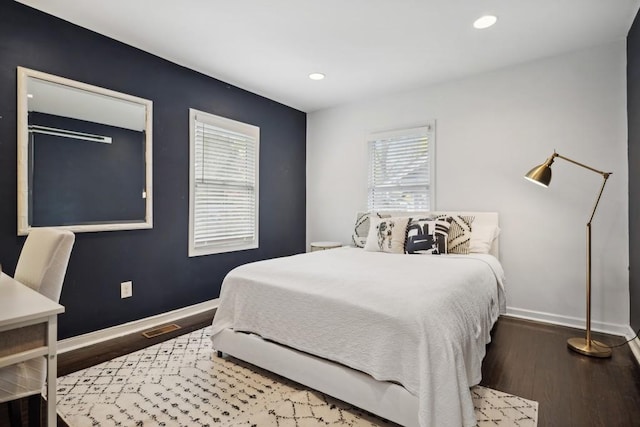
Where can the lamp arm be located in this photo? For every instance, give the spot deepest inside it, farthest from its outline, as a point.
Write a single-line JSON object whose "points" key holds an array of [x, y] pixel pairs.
{"points": [[581, 164], [595, 206], [605, 175]]}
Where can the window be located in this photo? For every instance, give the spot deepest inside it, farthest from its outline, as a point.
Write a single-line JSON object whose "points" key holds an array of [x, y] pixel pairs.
{"points": [[223, 202], [401, 170]]}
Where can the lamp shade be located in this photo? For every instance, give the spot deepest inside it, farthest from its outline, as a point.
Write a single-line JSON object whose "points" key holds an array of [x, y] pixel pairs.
{"points": [[540, 175]]}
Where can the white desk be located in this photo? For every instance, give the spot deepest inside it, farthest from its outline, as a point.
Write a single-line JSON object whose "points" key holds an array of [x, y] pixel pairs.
{"points": [[21, 306]]}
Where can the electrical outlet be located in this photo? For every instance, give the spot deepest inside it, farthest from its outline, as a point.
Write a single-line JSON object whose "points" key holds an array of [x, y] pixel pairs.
{"points": [[126, 289]]}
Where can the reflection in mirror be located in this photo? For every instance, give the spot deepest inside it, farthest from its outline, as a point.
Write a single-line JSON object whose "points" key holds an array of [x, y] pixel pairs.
{"points": [[84, 156]]}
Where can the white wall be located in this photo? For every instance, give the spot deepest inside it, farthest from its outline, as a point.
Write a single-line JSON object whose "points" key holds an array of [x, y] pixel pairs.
{"points": [[490, 130]]}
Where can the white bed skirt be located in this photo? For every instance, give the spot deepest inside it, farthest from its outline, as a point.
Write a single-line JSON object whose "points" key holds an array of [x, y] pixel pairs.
{"points": [[385, 399]]}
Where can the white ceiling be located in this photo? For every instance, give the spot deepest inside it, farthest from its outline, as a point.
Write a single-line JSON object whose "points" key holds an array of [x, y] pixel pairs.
{"points": [[365, 47]]}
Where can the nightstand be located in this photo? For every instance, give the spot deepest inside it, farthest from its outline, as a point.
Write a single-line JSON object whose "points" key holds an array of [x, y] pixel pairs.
{"points": [[321, 246]]}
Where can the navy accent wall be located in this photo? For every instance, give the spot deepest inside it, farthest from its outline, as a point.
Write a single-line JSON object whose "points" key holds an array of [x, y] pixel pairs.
{"points": [[164, 277], [633, 117]]}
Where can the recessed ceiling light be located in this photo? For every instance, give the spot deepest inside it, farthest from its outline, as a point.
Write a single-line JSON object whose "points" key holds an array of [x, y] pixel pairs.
{"points": [[485, 22], [29, 95], [316, 76]]}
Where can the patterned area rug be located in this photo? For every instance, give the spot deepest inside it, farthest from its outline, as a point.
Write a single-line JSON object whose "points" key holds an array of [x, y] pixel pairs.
{"points": [[182, 382]]}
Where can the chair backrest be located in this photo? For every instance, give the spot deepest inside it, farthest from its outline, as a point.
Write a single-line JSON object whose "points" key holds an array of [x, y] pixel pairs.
{"points": [[43, 260]]}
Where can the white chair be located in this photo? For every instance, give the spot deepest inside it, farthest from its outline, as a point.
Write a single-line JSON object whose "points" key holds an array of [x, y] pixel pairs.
{"points": [[42, 266]]}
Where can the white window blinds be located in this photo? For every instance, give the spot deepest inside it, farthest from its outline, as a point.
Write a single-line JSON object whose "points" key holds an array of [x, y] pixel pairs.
{"points": [[224, 181], [401, 170]]}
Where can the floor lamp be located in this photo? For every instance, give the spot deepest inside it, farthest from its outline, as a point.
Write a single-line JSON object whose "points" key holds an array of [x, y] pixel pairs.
{"points": [[541, 175]]}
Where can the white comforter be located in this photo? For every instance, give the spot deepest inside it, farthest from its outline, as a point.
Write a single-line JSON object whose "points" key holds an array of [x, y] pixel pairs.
{"points": [[420, 320]]}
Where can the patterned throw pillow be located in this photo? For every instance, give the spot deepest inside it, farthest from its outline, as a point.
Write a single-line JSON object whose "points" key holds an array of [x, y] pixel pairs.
{"points": [[427, 236], [387, 235], [459, 233], [361, 228]]}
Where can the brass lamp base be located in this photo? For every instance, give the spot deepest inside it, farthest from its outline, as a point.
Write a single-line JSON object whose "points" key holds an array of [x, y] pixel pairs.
{"points": [[593, 349]]}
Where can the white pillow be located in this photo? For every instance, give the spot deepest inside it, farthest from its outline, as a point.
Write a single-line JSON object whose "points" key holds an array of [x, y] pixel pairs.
{"points": [[482, 238], [387, 234]]}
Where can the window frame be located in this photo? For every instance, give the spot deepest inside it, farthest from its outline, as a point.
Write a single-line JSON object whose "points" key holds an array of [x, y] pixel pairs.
{"points": [[428, 130], [232, 126]]}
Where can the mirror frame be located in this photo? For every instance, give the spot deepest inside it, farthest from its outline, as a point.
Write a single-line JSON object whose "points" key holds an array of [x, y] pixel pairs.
{"points": [[23, 153]]}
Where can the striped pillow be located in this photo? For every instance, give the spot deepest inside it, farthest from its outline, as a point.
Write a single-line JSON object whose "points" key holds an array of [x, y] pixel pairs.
{"points": [[459, 233]]}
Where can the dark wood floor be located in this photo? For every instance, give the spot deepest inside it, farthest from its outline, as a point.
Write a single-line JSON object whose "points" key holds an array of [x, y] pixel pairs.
{"points": [[531, 360], [89, 356], [525, 358]]}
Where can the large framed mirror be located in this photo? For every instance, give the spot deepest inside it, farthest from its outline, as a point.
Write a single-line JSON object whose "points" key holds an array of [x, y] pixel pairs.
{"points": [[84, 156]]}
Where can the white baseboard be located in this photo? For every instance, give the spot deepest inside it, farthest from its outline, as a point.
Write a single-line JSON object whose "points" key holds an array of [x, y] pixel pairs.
{"points": [[573, 322], [140, 325], [635, 347]]}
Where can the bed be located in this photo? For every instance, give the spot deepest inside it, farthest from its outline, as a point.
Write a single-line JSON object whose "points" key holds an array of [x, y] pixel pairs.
{"points": [[402, 336]]}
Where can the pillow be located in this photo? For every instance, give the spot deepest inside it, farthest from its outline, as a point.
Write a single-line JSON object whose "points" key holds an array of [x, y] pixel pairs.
{"points": [[387, 235], [482, 238], [361, 228], [459, 233], [428, 236]]}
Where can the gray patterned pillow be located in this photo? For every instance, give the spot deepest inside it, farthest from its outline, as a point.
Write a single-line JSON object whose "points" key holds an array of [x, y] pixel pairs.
{"points": [[459, 233], [361, 228]]}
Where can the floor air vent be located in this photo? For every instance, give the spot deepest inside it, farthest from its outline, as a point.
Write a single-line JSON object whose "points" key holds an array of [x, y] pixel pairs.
{"points": [[151, 333]]}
